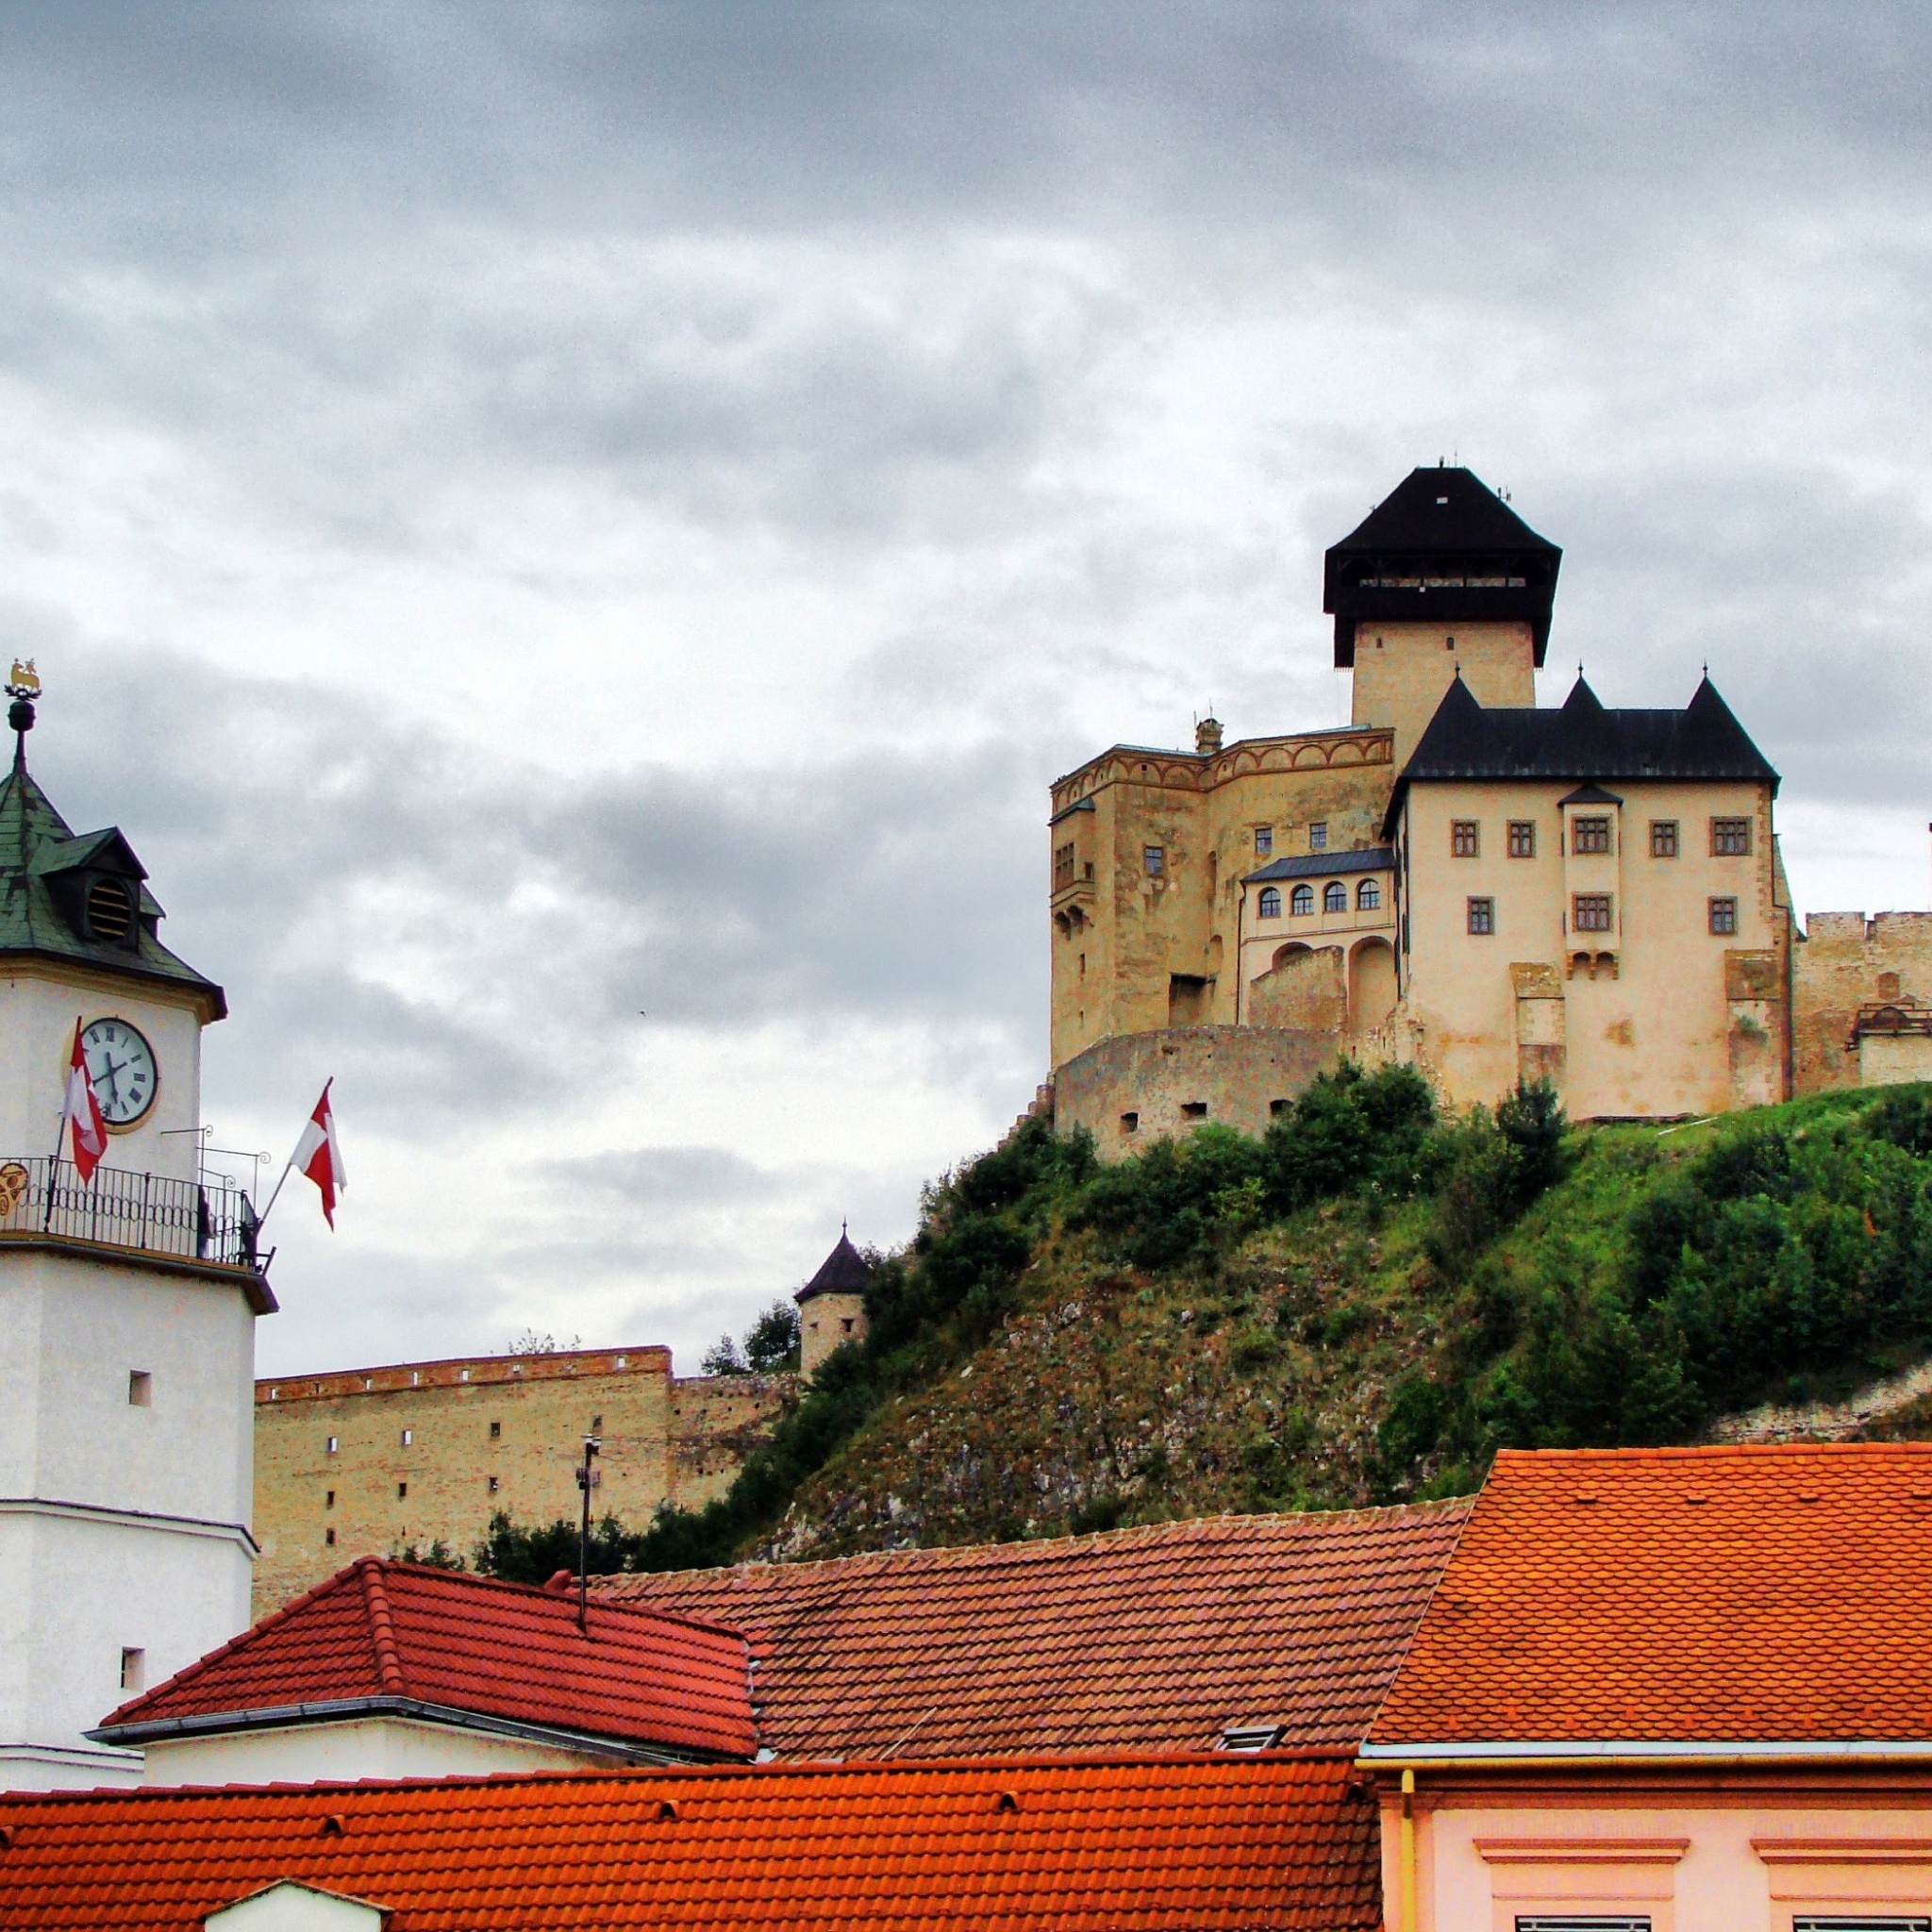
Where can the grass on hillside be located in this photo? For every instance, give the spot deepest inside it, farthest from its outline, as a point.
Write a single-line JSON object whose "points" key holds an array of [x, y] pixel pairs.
{"points": [[1364, 1303]]}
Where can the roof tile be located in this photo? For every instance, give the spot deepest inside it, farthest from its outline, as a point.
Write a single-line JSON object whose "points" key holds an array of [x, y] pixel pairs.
{"points": [[1287, 1840], [1148, 1639], [383, 1629], [1753, 1593]]}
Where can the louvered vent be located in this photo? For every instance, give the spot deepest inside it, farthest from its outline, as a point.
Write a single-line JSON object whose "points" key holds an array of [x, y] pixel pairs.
{"points": [[109, 910]]}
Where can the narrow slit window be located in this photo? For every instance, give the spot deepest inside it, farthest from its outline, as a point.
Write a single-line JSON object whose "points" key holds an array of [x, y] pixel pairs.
{"points": [[140, 1388], [496, 1432], [133, 1669], [402, 1492]]}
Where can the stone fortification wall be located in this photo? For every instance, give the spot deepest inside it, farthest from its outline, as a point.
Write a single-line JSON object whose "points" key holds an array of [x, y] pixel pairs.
{"points": [[1138, 1087], [1847, 963], [370, 1461]]}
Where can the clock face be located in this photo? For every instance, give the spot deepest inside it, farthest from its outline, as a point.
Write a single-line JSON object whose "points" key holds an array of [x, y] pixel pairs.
{"points": [[122, 1066]]}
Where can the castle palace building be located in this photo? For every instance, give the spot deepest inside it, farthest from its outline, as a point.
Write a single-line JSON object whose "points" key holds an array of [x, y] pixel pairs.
{"points": [[1455, 880]]}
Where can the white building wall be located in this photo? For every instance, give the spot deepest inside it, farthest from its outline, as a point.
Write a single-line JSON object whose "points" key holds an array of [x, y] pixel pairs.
{"points": [[36, 1041], [354, 1748]]}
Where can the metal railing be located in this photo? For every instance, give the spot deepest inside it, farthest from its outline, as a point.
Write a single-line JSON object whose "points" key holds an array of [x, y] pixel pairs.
{"points": [[146, 1212]]}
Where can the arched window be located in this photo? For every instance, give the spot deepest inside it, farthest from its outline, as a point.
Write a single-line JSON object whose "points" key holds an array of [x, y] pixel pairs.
{"points": [[1334, 896], [1301, 902], [1368, 896], [1270, 903]]}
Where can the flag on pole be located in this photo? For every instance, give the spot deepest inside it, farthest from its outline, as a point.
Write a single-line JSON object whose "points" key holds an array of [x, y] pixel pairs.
{"points": [[82, 1114], [319, 1154]]}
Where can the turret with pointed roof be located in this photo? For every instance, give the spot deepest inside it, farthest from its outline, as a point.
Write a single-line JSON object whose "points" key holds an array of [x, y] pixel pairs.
{"points": [[831, 1306]]}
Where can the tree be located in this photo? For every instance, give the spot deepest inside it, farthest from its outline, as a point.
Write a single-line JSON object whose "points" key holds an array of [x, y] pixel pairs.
{"points": [[771, 1344]]}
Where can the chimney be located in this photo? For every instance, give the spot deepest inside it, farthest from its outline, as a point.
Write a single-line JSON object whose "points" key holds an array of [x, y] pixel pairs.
{"points": [[1206, 737]]}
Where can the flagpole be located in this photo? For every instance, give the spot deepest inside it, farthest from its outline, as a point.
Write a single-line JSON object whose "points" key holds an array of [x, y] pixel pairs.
{"points": [[287, 1167]]}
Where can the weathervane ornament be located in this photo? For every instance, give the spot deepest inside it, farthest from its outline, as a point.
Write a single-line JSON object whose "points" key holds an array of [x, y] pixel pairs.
{"points": [[23, 688]]}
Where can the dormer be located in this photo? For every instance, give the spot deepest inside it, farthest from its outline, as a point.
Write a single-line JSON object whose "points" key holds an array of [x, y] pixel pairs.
{"points": [[99, 889]]}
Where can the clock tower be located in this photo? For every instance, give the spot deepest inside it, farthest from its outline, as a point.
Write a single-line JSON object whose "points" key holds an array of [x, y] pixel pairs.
{"points": [[127, 1304]]}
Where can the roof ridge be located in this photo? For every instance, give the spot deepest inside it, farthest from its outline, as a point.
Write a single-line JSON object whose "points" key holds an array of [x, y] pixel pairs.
{"points": [[436, 1576], [1042, 1548], [1684, 1451], [382, 1629]]}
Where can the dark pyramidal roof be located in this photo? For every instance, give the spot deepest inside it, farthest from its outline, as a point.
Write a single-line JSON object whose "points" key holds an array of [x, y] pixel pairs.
{"points": [[1581, 742], [1442, 547], [844, 1272], [44, 870]]}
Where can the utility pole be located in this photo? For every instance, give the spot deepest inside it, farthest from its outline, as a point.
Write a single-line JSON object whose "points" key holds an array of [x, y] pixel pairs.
{"points": [[587, 1476]]}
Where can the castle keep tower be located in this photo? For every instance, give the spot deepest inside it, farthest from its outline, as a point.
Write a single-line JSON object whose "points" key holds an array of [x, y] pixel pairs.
{"points": [[1440, 579], [127, 1304]]}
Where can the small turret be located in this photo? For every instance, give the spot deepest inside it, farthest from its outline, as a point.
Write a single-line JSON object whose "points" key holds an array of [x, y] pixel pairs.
{"points": [[831, 1306]]}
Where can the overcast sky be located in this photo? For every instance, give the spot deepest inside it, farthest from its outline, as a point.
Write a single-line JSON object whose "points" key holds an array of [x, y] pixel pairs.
{"points": [[573, 539]]}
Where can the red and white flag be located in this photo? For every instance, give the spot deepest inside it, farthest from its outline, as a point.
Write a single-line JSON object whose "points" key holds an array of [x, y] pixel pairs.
{"points": [[319, 1154], [82, 1114]]}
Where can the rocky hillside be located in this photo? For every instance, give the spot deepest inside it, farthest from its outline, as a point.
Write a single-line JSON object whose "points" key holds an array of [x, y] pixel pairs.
{"points": [[1361, 1307]]}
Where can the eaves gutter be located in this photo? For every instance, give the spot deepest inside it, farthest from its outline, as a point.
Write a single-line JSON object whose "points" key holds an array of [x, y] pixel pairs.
{"points": [[340, 1710], [1517, 1755]]}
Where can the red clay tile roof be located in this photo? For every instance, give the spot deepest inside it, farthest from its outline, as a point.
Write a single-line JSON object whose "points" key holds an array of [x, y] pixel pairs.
{"points": [[1751, 1595], [1154, 1639], [1168, 1845], [392, 1632]]}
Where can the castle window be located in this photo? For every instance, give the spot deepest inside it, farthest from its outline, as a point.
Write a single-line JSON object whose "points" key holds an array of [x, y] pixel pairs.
{"points": [[1195, 1109], [109, 910], [1130, 1124], [329, 1500], [496, 1432], [495, 1485], [409, 1437], [1301, 902], [1270, 903], [328, 1536], [1730, 837], [1264, 840], [1723, 916], [1062, 866], [1155, 859], [1482, 916], [1590, 834], [1590, 912], [1318, 836], [334, 1443], [1334, 896], [1664, 838], [1368, 896], [140, 1388], [133, 1670], [402, 1492], [1465, 839], [1522, 838]]}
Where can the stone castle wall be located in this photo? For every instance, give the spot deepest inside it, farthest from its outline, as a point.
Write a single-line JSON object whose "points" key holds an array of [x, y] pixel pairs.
{"points": [[1844, 963], [1138, 1088], [375, 1461]]}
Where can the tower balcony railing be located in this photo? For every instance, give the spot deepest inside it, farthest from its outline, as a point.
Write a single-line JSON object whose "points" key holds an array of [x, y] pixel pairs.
{"points": [[43, 1198]]}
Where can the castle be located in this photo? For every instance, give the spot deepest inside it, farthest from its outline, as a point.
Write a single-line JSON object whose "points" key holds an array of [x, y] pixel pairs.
{"points": [[1455, 879]]}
